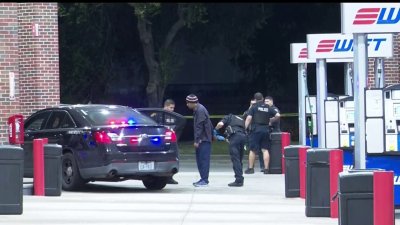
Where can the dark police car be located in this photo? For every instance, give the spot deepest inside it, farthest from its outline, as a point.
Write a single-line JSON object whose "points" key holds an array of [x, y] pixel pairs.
{"points": [[105, 143]]}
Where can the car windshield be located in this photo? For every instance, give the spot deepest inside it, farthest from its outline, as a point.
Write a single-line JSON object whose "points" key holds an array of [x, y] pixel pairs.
{"points": [[115, 115]]}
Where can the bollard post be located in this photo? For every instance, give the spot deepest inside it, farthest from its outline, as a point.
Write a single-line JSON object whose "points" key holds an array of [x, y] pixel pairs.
{"points": [[383, 203], [302, 171], [336, 166], [38, 167], [285, 142]]}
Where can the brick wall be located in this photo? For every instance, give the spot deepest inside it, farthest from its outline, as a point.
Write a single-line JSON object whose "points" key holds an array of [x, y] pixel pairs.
{"points": [[392, 66], [38, 56], [8, 64], [33, 60]]}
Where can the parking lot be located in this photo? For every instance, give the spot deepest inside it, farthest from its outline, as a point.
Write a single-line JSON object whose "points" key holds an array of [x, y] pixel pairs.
{"points": [[260, 201]]}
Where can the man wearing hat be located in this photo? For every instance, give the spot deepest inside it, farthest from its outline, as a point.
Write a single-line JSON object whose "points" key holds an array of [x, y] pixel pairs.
{"points": [[202, 128]]}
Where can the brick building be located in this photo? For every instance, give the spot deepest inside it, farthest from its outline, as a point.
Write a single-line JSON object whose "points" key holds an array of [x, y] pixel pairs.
{"points": [[28, 59], [392, 65]]}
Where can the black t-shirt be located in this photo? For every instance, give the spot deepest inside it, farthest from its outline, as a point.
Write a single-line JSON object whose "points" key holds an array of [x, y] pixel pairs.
{"points": [[268, 111]]}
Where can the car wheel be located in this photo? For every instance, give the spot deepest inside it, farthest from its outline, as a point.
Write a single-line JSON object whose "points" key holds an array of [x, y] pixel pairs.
{"points": [[72, 180], [155, 183]]}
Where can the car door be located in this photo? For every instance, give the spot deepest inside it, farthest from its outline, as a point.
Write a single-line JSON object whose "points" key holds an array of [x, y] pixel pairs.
{"points": [[57, 127], [33, 129], [172, 120]]}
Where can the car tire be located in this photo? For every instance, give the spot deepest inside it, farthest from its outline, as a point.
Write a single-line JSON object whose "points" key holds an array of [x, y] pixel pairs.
{"points": [[71, 178], [155, 183]]}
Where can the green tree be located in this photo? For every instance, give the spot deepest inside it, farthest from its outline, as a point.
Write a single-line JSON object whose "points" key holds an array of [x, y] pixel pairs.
{"points": [[160, 56], [86, 51], [95, 37]]}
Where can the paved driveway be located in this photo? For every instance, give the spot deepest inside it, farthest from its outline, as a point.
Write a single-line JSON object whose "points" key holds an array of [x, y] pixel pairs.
{"points": [[260, 201]]}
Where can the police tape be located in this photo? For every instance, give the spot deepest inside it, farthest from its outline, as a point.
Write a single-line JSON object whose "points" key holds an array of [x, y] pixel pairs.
{"points": [[222, 116]]}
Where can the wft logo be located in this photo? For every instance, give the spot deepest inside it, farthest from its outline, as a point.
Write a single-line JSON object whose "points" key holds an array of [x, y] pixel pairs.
{"points": [[344, 45], [367, 16], [303, 53]]}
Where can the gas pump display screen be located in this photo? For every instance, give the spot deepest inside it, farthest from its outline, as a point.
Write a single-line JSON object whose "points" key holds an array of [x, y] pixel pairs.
{"points": [[396, 110], [395, 94], [350, 116]]}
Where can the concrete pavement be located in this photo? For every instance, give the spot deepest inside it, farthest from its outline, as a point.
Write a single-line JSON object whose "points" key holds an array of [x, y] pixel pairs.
{"points": [[260, 201]]}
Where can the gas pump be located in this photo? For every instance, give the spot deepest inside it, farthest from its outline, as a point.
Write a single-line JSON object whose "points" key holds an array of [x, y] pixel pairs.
{"points": [[311, 120], [392, 117], [346, 121]]}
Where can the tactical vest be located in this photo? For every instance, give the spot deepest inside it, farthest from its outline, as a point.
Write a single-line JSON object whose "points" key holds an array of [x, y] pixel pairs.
{"points": [[236, 124], [261, 114]]}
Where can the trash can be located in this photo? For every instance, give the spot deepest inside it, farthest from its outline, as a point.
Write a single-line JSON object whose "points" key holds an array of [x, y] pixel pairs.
{"points": [[323, 167], [11, 179], [292, 170], [358, 193], [278, 141], [52, 169]]}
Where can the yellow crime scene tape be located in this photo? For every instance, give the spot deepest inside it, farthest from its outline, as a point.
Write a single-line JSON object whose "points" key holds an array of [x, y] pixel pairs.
{"points": [[222, 116]]}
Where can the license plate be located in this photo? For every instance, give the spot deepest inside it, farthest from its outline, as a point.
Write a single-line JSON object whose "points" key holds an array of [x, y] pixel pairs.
{"points": [[148, 165]]}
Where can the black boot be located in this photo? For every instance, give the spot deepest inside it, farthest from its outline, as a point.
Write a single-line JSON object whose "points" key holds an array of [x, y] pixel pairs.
{"points": [[236, 184]]}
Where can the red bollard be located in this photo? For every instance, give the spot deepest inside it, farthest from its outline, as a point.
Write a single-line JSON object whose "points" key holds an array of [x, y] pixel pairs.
{"points": [[383, 198], [302, 170], [285, 142], [336, 166], [38, 167], [45, 141]]}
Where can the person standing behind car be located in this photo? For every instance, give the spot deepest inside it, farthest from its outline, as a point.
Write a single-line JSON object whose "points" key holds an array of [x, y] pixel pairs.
{"points": [[169, 105], [261, 115], [202, 130], [236, 136], [275, 126]]}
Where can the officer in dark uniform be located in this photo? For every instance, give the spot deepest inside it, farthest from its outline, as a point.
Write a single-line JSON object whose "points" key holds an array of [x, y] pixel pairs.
{"points": [[275, 126], [236, 137], [259, 152], [260, 117]]}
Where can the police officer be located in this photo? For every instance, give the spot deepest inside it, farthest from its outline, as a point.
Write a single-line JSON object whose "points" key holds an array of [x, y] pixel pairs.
{"points": [[259, 152], [260, 117], [275, 126], [169, 106], [236, 137]]}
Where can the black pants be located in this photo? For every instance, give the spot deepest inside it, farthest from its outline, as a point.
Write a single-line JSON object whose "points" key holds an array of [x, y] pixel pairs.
{"points": [[236, 149]]}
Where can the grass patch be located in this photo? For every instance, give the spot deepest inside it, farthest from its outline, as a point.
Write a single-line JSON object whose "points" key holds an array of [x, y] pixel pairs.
{"points": [[218, 147]]}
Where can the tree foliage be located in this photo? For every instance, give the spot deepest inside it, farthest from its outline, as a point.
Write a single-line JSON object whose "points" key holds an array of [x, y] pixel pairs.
{"points": [[86, 46], [98, 39], [159, 51]]}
